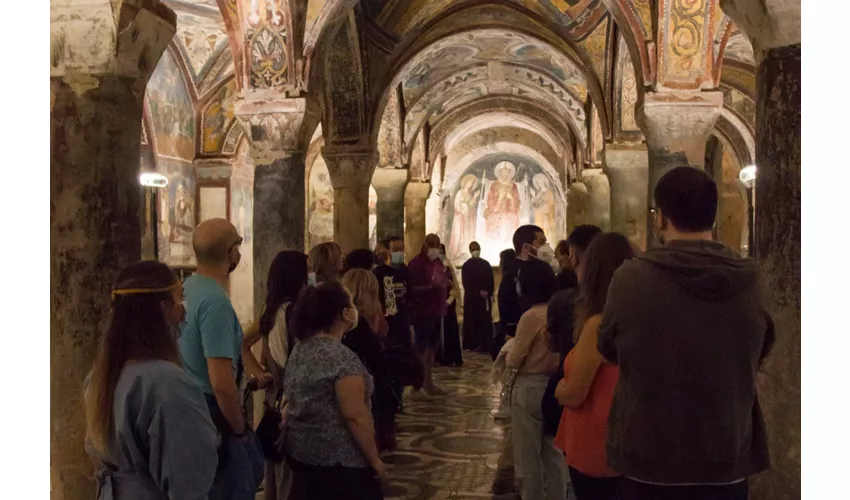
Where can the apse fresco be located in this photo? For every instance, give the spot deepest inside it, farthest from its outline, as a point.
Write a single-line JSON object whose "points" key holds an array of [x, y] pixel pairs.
{"points": [[171, 110], [493, 197], [320, 206]]}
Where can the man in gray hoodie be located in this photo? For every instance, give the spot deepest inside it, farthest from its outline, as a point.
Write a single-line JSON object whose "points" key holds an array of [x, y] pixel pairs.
{"points": [[688, 325]]}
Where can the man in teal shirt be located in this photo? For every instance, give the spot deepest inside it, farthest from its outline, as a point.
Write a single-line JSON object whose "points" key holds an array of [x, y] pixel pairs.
{"points": [[210, 345]]}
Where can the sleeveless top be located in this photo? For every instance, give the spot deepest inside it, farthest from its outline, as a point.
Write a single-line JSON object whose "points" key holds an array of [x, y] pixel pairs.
{"points": [[582, 431]]}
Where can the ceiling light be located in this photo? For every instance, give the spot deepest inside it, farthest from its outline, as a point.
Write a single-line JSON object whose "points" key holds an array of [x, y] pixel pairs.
{"points": [[153, 179]]}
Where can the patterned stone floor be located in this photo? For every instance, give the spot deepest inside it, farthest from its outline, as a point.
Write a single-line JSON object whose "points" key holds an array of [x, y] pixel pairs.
{"points": [[449, 448]]}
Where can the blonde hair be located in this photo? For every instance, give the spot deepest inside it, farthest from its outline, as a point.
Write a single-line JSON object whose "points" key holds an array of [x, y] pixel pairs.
{"points": [[323, 259], [363, 286]]}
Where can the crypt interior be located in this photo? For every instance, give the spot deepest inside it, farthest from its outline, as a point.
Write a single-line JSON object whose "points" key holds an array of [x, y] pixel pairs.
{"points": [[310, 121]]}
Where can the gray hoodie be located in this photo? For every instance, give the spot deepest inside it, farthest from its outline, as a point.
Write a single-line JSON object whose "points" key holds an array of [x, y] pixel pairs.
{"points": [[689, 327]]}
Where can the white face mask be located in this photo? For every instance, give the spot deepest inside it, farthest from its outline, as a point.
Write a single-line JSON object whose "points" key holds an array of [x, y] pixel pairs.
{"points": [[546, 253], [476, 253], [433, 253]]}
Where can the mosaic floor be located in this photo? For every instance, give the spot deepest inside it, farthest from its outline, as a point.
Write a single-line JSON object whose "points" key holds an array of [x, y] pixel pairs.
{"points": [[449, 448]]}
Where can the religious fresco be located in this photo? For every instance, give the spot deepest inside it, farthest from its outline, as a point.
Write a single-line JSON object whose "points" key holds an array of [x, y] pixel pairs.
{"points": [[740, 104], [177, 212], [597, 141], [738, 47], [171, 110], [493, 197], [564, 12], [449, 55], [242, 216], [320, 207], [628, 91], [594, 45], [201, 37], [217, 118]]}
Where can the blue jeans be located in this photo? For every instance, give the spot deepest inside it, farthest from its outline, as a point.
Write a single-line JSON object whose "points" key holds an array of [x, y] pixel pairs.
{"points": [[241, 465]]}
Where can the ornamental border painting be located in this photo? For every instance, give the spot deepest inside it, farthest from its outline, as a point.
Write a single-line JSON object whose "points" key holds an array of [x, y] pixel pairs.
{"points": [[495, 195]]}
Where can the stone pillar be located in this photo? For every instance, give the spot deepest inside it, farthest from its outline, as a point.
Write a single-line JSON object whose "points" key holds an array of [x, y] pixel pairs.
{"points": [[599, 198], [627, 166], [676, 126], [773, 26], [97, 83], [415, 197], [390, 184], [578, 199], [351, 175], [272, 128]]}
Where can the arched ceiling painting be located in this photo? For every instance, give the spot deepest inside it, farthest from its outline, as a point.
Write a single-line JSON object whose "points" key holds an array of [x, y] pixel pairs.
{"points": [[400, 17], [467, 66], [455, 52], [203, 42]]}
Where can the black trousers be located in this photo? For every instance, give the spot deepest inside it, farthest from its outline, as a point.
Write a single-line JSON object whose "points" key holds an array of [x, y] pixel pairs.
{"points": [[449, 352], [477, 323], [596, 488], [634, 490], [337, 482]]}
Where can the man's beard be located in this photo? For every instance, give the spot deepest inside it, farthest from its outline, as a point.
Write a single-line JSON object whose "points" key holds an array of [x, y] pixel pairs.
{"points": [[232, 267]]}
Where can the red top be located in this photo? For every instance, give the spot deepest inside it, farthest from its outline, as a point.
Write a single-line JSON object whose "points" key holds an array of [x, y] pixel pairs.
{"points": [[583, 430], [429, 303]]}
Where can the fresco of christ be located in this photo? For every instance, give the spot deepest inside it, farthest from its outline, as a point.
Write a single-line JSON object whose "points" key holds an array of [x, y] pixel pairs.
{"points": [[501, 212]]}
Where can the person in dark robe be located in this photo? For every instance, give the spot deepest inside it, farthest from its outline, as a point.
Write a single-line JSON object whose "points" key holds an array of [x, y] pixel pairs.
{"points": [[449, 353], [478, 285]]}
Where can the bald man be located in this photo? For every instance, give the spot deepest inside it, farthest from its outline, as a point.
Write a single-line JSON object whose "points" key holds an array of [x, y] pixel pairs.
{"points": [[429, 286], [210, 345]]}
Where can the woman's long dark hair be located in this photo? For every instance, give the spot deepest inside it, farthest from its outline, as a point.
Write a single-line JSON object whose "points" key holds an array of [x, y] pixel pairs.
{"points": [[138, 331], [603, 257], [287, 277], [537, 282], [318, 308]]}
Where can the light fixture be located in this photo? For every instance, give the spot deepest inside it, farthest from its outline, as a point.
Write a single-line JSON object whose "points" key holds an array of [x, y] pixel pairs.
{"points": [[748, 175], [153, 179]]}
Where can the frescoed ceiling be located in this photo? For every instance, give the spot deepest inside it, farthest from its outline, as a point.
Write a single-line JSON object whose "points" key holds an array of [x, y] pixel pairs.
{"points": [[403, 16], [463, 50], [202, 39]]}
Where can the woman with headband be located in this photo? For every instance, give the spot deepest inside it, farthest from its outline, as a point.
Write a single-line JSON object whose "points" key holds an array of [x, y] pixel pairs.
{"points": [[149, 431]]}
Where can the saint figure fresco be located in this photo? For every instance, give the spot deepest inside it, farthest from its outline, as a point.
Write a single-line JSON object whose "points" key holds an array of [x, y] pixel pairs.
{"points": [[501, 212]]}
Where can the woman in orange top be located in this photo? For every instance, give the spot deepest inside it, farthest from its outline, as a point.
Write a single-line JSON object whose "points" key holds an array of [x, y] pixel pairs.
{"points": [[587, 389]]}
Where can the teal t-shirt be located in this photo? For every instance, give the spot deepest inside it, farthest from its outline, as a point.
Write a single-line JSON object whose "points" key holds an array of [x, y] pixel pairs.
{"points": [[211, 329]]}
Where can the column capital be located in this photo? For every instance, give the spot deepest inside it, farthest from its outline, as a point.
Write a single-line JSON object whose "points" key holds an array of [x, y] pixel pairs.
{"points": [[679, 121], [417, 191], [389, 179], [349, 166], [103, 37], [767, 23], [619, 156], [272, 126]]}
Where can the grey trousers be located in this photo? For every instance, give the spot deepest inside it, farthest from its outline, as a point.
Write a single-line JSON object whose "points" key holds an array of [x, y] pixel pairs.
{"points": [[539, 466]]}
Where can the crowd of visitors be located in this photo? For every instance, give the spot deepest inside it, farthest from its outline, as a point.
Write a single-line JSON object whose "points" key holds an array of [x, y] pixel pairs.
{"points": [[625, 375]]}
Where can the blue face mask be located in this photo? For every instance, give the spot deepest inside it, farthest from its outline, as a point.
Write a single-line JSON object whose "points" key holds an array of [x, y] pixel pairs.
{"points": [[397, 258], [311, 279]]}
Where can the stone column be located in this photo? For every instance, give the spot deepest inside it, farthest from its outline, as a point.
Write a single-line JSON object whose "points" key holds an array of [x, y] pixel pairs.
{"points": [[676, 126], [415, 197], [578, 199], [627, 166], [599, 198], [272, 128], [774, 29], [351, 175], [97, 83], [390, 184]]}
